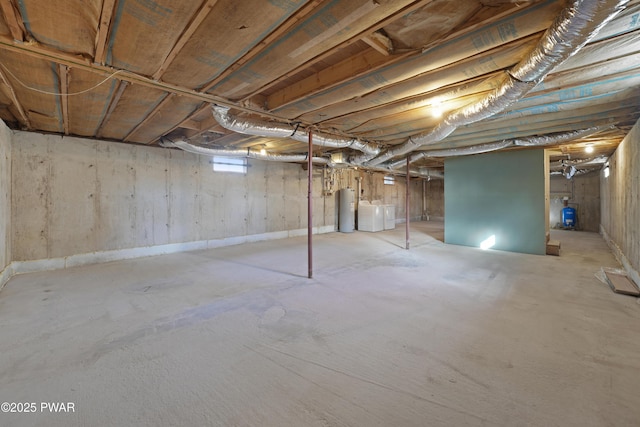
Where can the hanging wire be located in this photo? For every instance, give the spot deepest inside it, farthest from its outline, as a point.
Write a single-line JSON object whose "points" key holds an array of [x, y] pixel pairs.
{"points": [[56, 93]]}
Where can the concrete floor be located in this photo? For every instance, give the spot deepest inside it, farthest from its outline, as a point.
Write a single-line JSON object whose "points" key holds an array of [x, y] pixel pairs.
{"points": [[440, 336]]}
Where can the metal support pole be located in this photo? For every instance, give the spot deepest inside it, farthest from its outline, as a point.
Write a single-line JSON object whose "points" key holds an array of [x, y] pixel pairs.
{"points": [[406, 207], [424, 200], [310, 207]]}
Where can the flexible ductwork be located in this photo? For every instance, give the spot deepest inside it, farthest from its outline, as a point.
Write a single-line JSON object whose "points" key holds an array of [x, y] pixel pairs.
{"points": [[419, 172], [560, 137], [269, 129], [573, 28], [532, 141], [248, 153], [287, 158], [578, 164]]}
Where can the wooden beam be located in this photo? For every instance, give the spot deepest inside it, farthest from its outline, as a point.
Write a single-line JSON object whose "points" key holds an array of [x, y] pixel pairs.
{"points": [[198, 111], [342, 45], [329, 77], [102, 34], [151, 115], [112, 106], [379, 42], [191, 28], [35, 50], [209, 124], [189, 124], [294, 19], [14, 99], [64, 98], [13, 19]]}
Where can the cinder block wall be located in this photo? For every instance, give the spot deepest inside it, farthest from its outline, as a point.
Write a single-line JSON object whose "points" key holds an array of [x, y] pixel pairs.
{"points": [[74, 196], [620, 202]]}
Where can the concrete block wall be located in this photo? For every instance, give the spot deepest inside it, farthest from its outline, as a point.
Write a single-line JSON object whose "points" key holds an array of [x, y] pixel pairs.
{"points": [[584, 196], [620, 203], [77, 196], [5, 202]]}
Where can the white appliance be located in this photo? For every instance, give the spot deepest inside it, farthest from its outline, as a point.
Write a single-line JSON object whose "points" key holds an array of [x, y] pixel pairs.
{"points": [[370, 217]]}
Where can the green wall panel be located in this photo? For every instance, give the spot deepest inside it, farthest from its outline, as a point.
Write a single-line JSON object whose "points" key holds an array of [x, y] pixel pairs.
{"points": [[498, 194]]}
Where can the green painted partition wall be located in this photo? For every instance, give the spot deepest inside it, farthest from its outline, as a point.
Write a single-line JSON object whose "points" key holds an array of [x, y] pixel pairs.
{"points": [[498, 194]]}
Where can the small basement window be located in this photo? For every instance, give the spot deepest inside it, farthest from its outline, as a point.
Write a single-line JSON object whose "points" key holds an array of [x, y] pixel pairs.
{"points": [[229, 164], [389, 180]]}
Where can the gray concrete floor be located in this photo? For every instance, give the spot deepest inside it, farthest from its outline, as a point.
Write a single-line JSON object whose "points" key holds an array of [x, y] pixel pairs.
{"points": [[440, 336]]}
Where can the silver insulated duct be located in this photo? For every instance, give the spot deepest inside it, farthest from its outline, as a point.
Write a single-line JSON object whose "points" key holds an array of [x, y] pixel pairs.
{"points": [[573, 28], [269, 129], [288, 158], [531, 141], [248, 153]]}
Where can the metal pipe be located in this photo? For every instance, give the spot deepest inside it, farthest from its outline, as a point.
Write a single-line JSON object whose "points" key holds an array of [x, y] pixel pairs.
{"points": [[424, 200], [310, 206], [406, 207]]}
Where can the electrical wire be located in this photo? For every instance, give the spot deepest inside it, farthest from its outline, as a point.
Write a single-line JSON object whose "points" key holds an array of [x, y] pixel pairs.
{"points": [[56, 93]]}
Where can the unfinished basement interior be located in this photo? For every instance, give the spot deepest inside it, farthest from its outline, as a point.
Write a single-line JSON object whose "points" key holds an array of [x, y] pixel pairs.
{"points": [[319, 213]]}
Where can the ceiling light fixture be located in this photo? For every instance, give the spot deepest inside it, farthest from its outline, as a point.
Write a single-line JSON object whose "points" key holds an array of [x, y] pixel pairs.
{"points": [[588, 149], [436, 108]]}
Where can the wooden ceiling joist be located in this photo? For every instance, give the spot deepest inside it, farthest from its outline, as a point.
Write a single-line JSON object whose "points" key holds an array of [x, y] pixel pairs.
{"points": [[379, 25], [102, 35], [8, 89], [332, 76], [13, 19], [379, 42], [282, 29], [76, 61], [64, 96], [189, 123], [197, 20], [151, 115], [196, 128], [112, 106]]}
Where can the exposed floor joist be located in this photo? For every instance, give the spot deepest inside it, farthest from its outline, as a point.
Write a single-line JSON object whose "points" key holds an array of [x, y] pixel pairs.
{"points": [[151, 115], [37, 51], [64, 96], [307, 8], [112, 106], [104, 28], [339, 46], [331, 77], [184, 38], [11, 94], [13, 20]]}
